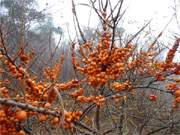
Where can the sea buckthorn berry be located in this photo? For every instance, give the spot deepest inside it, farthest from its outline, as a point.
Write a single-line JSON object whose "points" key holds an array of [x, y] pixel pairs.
{"points": [[21, 115], [153, 97]]}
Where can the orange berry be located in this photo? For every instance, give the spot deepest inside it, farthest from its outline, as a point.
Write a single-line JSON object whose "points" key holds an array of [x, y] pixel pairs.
{"points": [[42, 117], [47, 105], [35, 103], [174, 105], [21, 115], [21, 132], [177, 93], [55, 121], [177, 100], [153, 97], [2, 113]]}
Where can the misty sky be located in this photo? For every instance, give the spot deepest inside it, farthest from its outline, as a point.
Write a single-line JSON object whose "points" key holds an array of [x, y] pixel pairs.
{"points": [[137, 11], [137, 14]]}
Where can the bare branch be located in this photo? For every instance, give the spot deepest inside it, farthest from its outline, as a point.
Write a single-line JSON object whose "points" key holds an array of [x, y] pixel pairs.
{"points": [[77, 21], [10, 102]]}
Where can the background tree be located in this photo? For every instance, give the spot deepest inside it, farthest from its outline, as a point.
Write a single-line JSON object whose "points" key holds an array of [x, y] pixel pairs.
{"points": [[29, 29]]}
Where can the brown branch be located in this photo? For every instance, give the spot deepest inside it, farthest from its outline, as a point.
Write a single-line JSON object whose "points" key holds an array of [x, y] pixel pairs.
{"points": [[4, 49], [122, 117], [100, 17], [135, 35], [10, 102], [97, 118], [87, 128], [165, 127], [157, 130], [25, 106], [77, 21], [172, 51]]}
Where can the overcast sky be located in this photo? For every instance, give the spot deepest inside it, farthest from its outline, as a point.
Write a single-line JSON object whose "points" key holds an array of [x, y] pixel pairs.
{"points": [[138, 12]]}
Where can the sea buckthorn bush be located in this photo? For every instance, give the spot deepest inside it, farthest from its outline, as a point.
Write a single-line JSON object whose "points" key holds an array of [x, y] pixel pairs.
{"points": [[115, 87]]}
